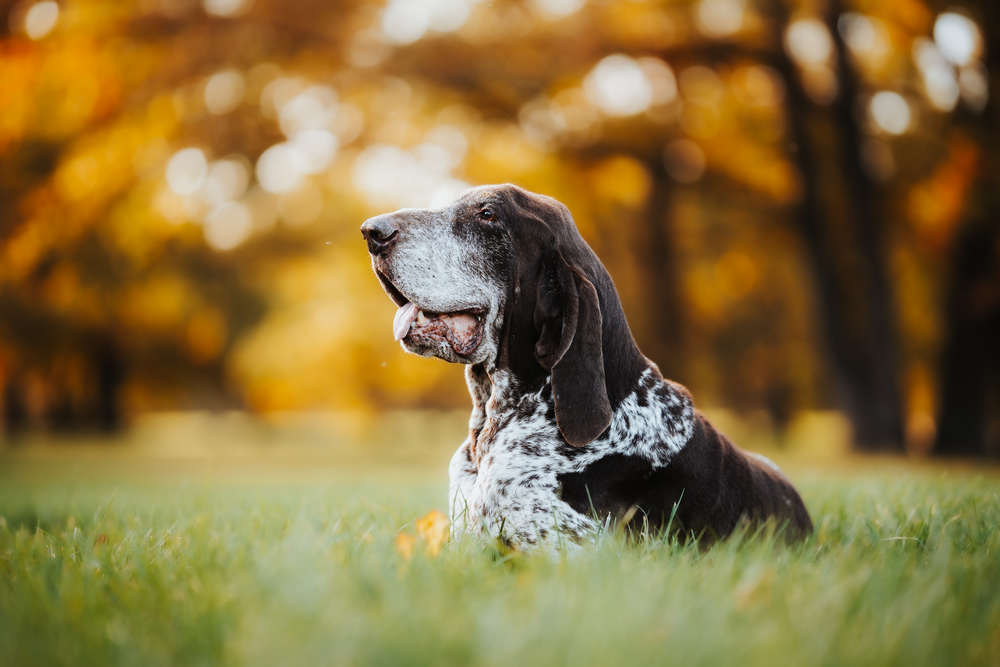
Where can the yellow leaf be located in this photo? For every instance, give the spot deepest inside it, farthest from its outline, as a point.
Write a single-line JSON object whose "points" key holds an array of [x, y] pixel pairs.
{"points": [[404, 545], [433, 528]]}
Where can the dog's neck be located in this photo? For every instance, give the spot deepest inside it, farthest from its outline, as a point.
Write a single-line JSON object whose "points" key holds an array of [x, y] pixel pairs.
{"points": [[495, 393], [656, 409]]}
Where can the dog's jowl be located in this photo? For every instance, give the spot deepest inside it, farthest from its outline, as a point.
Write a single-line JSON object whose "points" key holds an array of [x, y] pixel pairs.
{"points": [[571, 425]]}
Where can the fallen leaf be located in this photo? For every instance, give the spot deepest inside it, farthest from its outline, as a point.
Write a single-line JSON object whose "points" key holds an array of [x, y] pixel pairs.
{"points": [[404, 545], [433, 528]]}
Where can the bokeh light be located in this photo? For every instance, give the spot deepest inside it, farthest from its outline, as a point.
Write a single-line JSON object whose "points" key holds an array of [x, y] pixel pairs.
{"points": [[958, 37], [558, 8], [312, 109], [253, 137], [808, 41], [228, 225], [662, 82], [41, 19], [937, 74], [618, 86], [542, 121], [810, 45], [719, 18], [227, 8], [277, 169], [406, 21], [186, 171], [890, 112], [226, 180], [417, 178], [224, 92], [313, 150], [866, 36]]}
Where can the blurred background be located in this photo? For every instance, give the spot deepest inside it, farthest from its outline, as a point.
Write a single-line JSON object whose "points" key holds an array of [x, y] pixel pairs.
{"points": [[798, 201]]}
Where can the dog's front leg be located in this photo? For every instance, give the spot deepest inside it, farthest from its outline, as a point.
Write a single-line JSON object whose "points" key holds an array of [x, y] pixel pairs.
{"points": [[528, 515]]}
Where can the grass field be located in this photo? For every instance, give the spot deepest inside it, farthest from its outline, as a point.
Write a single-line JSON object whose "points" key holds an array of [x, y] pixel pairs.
{"points": [[110, 558]]}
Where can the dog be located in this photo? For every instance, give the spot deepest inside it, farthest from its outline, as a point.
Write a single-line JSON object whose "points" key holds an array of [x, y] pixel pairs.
{"points": [[572, 428]]}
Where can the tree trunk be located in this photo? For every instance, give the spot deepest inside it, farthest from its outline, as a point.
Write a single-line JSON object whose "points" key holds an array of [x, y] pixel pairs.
{"points": [[972, 354], [843, 239], [659, 260], [110, 376], [970, 372]]}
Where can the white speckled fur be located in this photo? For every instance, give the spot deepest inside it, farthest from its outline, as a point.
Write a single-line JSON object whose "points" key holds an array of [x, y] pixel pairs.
{"points": [[505, 482]]}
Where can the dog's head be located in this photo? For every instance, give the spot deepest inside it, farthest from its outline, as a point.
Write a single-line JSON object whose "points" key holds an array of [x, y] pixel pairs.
{"points": [[502, 277]]}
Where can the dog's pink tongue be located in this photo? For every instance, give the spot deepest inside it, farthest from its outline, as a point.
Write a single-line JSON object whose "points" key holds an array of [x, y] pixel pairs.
{"points": [[403, 319]]}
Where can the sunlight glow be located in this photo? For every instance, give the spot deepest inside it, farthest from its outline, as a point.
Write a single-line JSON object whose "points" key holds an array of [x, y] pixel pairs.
{"points": [[228, 8], [866, 36], [228, 226], [447, 192], [448, 15], [226, 180], [406, 21], [938, 75], [420, 177], [719, 18], [224, 92], [276, 169], [958, 37], [277, 94], [542, 121], [313, 150], [558, 8], [618, 86], [808, 41], [663, 83], [451, 140], [890, 112], [312, 109], [186, 171], [41, 19]]}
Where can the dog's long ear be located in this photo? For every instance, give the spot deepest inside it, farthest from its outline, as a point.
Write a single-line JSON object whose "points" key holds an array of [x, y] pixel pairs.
{"points": [[568, 319]]}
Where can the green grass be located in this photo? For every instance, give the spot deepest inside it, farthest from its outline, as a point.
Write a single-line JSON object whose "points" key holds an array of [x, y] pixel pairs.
{"points": [[105, 565]]}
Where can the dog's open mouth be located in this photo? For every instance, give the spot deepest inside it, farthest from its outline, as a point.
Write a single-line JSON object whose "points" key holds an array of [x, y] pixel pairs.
{"points": [[462, 330]]}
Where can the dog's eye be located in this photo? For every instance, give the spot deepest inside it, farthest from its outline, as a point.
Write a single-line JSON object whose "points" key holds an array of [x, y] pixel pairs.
{"points": [[486, 214]]}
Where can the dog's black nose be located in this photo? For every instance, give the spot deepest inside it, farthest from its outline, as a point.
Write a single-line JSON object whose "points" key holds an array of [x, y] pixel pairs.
{"points": [[380, 233]]}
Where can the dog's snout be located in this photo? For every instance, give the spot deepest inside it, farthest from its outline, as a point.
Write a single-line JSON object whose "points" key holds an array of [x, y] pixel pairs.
{"points": [[380, 233]]}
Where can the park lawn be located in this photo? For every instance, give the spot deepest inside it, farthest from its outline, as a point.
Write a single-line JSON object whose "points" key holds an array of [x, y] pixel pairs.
{"points": [[135, 568]]}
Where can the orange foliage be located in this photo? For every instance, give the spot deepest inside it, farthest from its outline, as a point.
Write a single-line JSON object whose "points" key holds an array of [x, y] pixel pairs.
{"points": [[432, 532], [689, 196]]}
